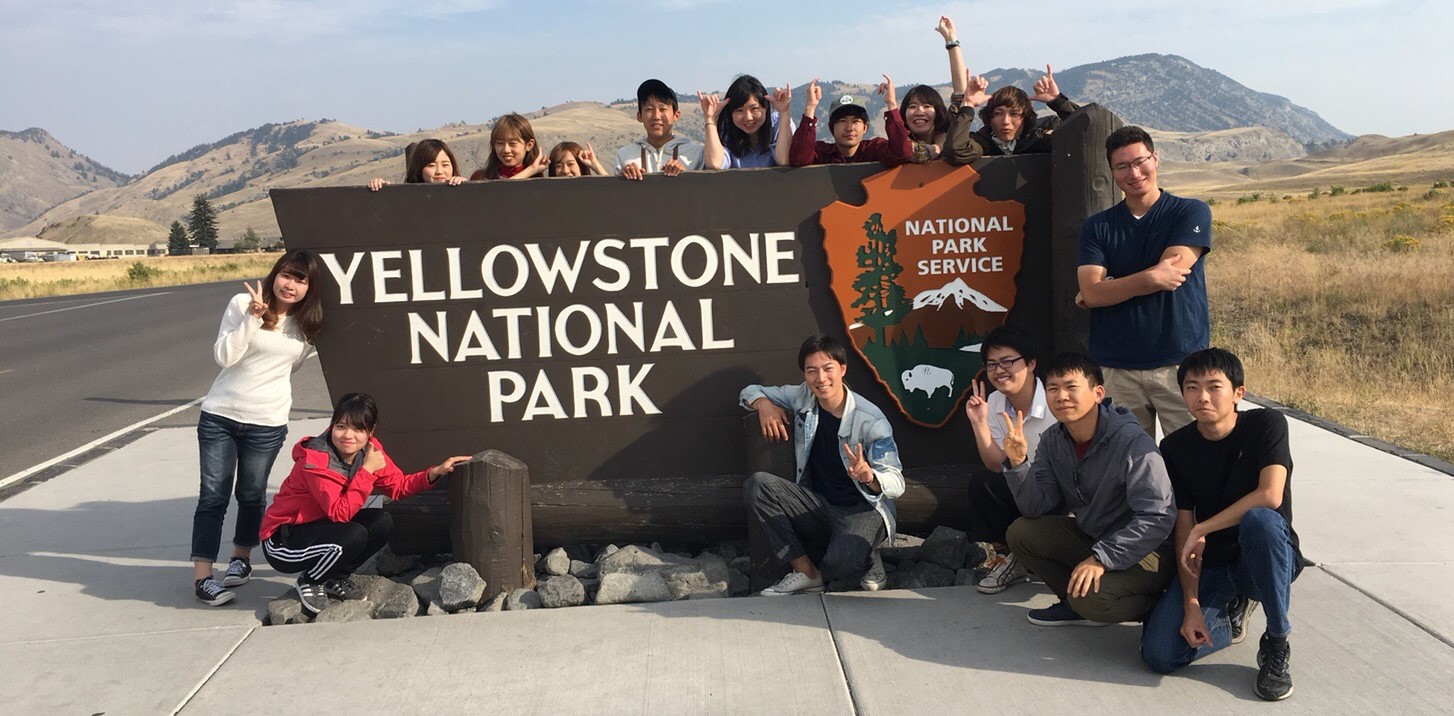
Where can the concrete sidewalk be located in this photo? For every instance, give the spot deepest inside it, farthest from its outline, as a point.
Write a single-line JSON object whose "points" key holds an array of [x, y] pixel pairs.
{"points": [[94, 572]]}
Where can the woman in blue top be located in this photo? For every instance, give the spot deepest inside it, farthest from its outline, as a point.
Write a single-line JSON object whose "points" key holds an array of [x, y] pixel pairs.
{"points": [[752, 137]]}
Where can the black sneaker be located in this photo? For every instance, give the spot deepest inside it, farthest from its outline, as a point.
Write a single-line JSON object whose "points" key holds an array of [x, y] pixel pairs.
{"points": [[343, 588], [212, 593], [1059, 614], [239, 570], [1274, 681], [312, 596], [1238, 610]]}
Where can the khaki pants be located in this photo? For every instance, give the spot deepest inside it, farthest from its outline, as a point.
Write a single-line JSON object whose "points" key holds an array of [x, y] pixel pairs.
{"points": [[1052, 546], [1150, 395]]}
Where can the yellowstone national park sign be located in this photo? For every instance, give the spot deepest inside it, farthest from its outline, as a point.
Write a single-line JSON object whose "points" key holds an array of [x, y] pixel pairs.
{"points": [[922, 270], [600, 329]]}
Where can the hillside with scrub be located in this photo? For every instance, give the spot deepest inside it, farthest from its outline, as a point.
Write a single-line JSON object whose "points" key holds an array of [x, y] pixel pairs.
{"points": [[1340, 302]]}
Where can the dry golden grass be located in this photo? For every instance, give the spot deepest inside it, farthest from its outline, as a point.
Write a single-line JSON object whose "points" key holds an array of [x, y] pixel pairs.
{"points": [[73, 277], [1343, 306]]}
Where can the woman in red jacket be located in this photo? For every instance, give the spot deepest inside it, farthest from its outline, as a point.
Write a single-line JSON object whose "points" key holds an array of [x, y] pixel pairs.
{"points": [[316, 526]]}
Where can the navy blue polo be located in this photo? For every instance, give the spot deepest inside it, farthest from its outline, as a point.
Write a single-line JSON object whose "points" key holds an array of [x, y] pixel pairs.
{"points": [[1162, 328]]}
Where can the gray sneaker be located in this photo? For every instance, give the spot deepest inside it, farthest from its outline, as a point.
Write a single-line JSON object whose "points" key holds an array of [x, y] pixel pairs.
{"points": [[1005, 570], [794, 583], [875, 578], [313, 597]]}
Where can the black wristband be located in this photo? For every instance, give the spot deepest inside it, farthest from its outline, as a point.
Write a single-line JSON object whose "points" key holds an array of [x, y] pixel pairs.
{"points": [[951, 44]]}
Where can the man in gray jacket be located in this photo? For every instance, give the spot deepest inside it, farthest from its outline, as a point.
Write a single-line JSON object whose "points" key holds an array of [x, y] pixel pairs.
{"points": [[1110, 559]]}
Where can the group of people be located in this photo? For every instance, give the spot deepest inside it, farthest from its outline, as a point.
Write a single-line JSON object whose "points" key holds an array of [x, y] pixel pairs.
{"points": [[748, 127], [1186, 538], [1075, 492]]}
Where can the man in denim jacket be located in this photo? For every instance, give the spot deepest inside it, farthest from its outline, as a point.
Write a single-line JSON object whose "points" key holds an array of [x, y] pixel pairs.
{"points": [[840, 506]]}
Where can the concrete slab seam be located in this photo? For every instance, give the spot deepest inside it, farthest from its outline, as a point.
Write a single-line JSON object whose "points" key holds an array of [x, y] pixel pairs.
{"points": [[212, 672], [1428, 461], [1389, 606], [838, 652]]}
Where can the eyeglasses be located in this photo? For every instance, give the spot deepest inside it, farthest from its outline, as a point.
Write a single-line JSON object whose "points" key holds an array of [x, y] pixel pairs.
{"points": [[1133, 164], [1004, 364]]}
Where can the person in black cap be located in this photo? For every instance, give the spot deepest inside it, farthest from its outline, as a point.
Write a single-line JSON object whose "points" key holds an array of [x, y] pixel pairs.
{"points": [[848, 122]]}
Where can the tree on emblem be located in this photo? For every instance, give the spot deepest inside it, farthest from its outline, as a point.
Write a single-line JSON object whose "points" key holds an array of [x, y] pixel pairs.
{"points": [[879, 294]]}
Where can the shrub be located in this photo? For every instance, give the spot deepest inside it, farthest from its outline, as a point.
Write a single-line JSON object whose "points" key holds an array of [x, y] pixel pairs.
{"points": [[1336, 191], [1379, 187], [1314, 193], [139, 272], [1441, 185], [1249, 198], [1401, 244]]}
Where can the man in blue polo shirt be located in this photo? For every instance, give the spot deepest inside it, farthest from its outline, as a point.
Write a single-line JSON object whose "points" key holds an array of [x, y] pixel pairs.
{"points": [[1141, 277]]}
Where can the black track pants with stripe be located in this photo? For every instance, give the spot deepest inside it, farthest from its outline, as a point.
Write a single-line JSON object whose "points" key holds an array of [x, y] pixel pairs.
{"points": [[324, 549]]}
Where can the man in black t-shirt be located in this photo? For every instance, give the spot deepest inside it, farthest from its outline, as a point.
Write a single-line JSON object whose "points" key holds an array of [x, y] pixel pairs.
{"points": [[1231, 473], [825, 523]]}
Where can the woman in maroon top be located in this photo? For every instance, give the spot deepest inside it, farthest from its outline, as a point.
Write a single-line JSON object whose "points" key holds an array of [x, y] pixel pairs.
{"points": [[514, 154]]}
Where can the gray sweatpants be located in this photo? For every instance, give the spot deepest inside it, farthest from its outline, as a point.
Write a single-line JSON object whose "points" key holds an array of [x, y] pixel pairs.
{"points": [[797, 521]]}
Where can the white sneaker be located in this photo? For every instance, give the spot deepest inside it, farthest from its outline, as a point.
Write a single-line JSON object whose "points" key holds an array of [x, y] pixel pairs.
{"points": [[1004, 571], [793, 583]]}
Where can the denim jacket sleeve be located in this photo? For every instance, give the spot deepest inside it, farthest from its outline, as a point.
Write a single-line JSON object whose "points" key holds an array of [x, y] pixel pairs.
{"points": [[786, 397], [882, 454]]}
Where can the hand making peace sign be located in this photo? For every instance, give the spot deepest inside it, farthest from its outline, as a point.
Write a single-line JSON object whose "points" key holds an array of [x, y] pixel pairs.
{"points": [[1015, 446], [257, 304], [976, 409], [858, 469]]}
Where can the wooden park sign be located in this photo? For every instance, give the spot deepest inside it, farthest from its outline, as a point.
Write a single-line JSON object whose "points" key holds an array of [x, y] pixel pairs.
{"points": [[600, 330]]}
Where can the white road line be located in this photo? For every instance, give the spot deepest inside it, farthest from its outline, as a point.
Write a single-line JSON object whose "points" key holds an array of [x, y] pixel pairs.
{"points": [[88, 305], [98, 441]]}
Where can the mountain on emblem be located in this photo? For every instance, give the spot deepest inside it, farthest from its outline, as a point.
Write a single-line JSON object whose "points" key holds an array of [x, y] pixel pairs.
{"points": [[960, 292], [922, 271]]}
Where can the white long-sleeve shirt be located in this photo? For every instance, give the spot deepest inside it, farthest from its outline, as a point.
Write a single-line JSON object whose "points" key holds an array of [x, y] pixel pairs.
{"points": [[255, 385]]}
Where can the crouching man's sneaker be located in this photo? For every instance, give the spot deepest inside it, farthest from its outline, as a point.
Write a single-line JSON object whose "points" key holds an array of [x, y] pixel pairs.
{"points": [[794, 583], [1005, 570], [343, 588], [212, 593], [1238, 611], [1059, 614], [313, 597], [1274, 660], [875, 578], [239, 570]]}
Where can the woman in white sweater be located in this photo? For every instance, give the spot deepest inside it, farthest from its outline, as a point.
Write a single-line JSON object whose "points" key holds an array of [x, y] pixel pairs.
{"points": [[266, 335]]}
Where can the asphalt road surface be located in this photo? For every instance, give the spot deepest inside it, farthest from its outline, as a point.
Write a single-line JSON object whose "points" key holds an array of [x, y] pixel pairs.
{"points": [[76, 368]]}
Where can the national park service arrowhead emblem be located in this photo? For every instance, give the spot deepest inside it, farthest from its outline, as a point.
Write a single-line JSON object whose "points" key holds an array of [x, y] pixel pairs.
{"points": [[922, 271]]}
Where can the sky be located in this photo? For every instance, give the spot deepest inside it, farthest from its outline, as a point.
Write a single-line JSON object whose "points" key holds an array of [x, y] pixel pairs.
{"points": [[131, 83]]}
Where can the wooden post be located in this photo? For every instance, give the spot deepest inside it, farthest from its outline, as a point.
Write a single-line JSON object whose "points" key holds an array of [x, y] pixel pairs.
{"points": [[777, 458], [489, 520], [1080, 185]]}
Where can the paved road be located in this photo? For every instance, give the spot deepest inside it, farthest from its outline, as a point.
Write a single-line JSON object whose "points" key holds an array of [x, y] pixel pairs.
{"points": [[76, 368]]}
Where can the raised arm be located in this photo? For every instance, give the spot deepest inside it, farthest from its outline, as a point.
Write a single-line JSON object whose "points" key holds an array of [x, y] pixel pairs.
{"points": [[240, 322], [956, 56], [901, 145], [782, 103], [713, 156], [803, 151]]}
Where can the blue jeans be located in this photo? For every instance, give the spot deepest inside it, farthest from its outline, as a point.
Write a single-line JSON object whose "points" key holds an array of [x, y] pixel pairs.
{"points": [[228, 447], [1264, 571]]}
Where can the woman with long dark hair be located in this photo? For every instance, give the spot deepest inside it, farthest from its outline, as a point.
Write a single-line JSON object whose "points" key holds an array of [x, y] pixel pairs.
{"points": [[755, 133], [265, 336]]}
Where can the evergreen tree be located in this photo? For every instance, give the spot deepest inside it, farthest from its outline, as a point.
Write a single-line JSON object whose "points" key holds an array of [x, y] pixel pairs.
{"points": [[202, 223], [879, 294], [177, 242], [249, 241]]}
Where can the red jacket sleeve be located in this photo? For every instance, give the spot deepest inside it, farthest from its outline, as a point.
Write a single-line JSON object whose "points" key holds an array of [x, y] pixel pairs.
{"points": [[805, 137], [900, 147], [339, 502], [395, 484]]}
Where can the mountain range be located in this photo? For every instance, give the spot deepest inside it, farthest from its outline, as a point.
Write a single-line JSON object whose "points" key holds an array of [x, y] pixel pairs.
{"points": [[43, 182]]}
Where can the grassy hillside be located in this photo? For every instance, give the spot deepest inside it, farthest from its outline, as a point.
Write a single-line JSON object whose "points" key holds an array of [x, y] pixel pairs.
{"points": [[1342, 305]]}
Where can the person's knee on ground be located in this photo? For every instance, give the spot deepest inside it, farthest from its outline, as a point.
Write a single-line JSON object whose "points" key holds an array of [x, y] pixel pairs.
{"points": [[1159, 654]]}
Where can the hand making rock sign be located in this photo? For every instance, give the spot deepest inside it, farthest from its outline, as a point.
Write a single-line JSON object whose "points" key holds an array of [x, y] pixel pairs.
{"points": [[1045, 88]]}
